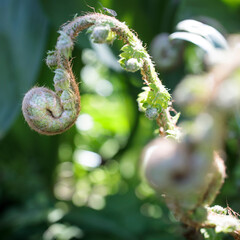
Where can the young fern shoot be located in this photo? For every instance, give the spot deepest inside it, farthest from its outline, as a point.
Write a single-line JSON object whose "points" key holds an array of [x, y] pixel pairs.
{"points": [[189, 173], [50, 113]]}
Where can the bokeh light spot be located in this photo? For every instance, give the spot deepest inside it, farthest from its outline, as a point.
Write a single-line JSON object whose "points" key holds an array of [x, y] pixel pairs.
{"points": [[87, 158]]}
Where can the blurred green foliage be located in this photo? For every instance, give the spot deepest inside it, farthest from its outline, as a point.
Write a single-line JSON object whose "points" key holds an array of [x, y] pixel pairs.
{"points": [[86, 183]]}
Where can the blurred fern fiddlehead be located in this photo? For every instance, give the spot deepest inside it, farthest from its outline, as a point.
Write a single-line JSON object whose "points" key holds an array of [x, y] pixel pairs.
{"points": [[191, 172], [49, 112]]}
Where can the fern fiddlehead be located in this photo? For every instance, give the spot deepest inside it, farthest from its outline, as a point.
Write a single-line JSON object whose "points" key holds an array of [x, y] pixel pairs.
{"points": [[50, 113]]}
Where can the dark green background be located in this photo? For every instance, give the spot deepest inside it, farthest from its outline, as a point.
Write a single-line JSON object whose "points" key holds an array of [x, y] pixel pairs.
{"points": [[34, 167]]}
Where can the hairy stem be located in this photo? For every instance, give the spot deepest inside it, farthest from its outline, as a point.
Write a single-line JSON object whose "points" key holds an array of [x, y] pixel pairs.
{"points": [[41, 115]]}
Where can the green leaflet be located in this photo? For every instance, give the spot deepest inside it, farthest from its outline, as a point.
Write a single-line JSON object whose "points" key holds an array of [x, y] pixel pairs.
{"points": [[132, 58], [155, 96]]}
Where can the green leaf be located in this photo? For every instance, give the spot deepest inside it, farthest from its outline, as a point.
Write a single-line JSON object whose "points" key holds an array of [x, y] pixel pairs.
{"points": [[122, 61], [125, 55], [126, 48], [23, 31]]}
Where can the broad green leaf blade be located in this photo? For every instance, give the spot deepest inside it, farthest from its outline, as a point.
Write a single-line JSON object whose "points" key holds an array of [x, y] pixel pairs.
{"points": [[23, 31]]}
